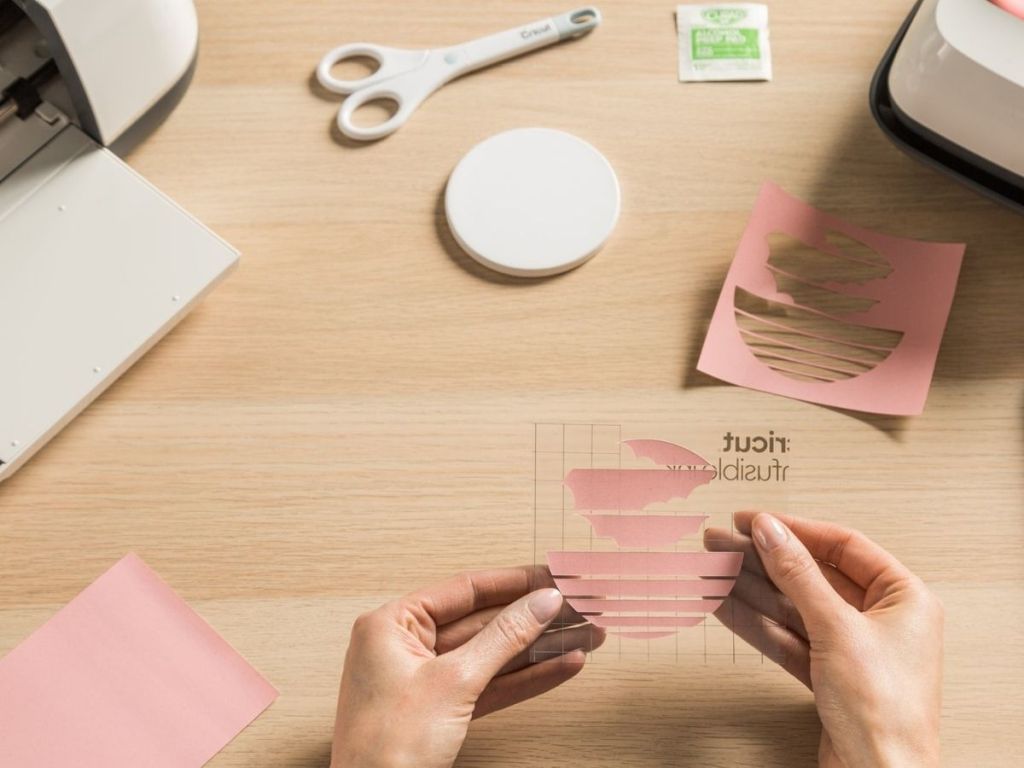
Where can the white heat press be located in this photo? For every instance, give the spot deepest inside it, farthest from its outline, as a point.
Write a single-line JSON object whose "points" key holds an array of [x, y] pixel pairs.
{"points": [[95, 263], [950, 90]]}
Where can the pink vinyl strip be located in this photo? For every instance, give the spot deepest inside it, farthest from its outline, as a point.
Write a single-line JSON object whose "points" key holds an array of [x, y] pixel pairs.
{"points": [[808, 334], [665, 453], [597, 588], [800, 279], [645, 563], [587, 605], [1016, 7], [645, 530], [632, 489], [788, 359], [811, 310], [642, 635], [790, 345], [646, 621], [783, 369], [841, 252]]}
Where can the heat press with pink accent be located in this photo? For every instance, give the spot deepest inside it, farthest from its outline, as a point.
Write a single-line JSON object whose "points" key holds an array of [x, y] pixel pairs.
{"points": [[950, 91]]}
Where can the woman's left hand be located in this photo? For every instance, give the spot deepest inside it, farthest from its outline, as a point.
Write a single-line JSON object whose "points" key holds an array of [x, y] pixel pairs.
{"points": [[420, 668]]}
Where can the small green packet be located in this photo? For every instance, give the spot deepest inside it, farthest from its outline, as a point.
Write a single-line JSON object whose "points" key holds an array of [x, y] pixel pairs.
{"points": [[723, 41]]}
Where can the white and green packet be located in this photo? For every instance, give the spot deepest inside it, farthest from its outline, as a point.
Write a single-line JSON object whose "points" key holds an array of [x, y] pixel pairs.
{"points": [[723, 41]]}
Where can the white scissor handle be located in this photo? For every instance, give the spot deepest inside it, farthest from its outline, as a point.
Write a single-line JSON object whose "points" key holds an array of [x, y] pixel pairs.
{"points": [[407, 92], [407, 77], [390, 62]]}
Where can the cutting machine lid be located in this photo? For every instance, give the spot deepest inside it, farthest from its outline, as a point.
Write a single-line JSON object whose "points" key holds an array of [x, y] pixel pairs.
{"points": [[922, 142]]}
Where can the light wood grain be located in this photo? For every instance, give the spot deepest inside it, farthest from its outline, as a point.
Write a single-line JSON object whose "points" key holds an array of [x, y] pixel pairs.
{"points": [[350, 414]]}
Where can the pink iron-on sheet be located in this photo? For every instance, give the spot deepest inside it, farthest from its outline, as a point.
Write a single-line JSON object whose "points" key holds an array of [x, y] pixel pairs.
{"points": [[608, 588], [911, 301], [644, 530], [636, 489], [707, 564], [632, 488], [125, 675], [664, 452], [587, 605], [645, 621]]}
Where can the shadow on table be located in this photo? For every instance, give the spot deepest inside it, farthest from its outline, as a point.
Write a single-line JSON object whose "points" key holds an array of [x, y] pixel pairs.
{"points": [[464, 261], [318, 756], [726, 732]]}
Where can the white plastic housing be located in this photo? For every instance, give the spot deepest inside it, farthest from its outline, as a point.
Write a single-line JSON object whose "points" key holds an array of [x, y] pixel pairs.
{"points": [[118, 57], [960, 73], [96, 265]]}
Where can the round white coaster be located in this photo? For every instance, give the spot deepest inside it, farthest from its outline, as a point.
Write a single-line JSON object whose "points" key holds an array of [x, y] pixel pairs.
{"points": [[532, 202]]}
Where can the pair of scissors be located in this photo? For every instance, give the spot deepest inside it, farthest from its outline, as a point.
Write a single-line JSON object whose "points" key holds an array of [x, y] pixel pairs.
{"points": [[408, 77]]}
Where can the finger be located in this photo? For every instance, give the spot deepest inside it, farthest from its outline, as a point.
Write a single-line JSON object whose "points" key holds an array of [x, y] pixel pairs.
{"points": [[509, 633], [533, 680], [451, 636], [763, 597], [851, 552], [844, 585], [794, 572], [724, 540], [556, 643], [779, 644], [469, 592]]}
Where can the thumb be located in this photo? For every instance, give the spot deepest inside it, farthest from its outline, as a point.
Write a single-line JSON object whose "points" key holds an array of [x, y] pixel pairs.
{"points": [[509, 633], [792, 569]]}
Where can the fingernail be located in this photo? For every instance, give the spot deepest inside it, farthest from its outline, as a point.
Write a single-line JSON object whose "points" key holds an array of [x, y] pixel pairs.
{"points": [[770, 533], [545, 604]]}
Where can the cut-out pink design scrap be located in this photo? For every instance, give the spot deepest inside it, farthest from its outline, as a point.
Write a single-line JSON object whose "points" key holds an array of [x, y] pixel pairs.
{"points": [[914, 299]]}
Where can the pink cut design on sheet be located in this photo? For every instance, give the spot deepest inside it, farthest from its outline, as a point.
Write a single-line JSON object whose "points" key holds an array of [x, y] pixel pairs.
{"points": [[632, 489], [646, 621], [644, 530], [609, 588], [588, 605], [666, 453], [125, 675], [636, 489], [605, 602], [708, 564], [912, 300]]}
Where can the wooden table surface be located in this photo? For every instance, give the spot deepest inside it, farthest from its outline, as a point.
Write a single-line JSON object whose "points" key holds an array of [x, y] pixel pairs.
{"points": [[351, 413]]}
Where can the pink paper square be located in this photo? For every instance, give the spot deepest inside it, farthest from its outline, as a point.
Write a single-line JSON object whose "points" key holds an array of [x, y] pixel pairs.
{"points": [[125, 675], [914, 299]]}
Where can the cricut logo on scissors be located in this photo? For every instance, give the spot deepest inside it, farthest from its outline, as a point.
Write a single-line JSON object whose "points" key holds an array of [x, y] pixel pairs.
{"points": [[529, 32]]}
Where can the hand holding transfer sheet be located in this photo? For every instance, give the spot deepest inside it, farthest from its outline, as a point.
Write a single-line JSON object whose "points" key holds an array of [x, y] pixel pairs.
{"points": [[864, 632], [850, 622], [419, 668]]}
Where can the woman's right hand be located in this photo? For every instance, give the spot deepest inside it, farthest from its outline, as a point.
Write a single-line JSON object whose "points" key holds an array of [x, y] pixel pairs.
{"points": [[849, 621]]}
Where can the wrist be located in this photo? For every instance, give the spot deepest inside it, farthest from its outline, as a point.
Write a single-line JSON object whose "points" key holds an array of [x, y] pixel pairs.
{"points": [[343, 756], [922, 751]]}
